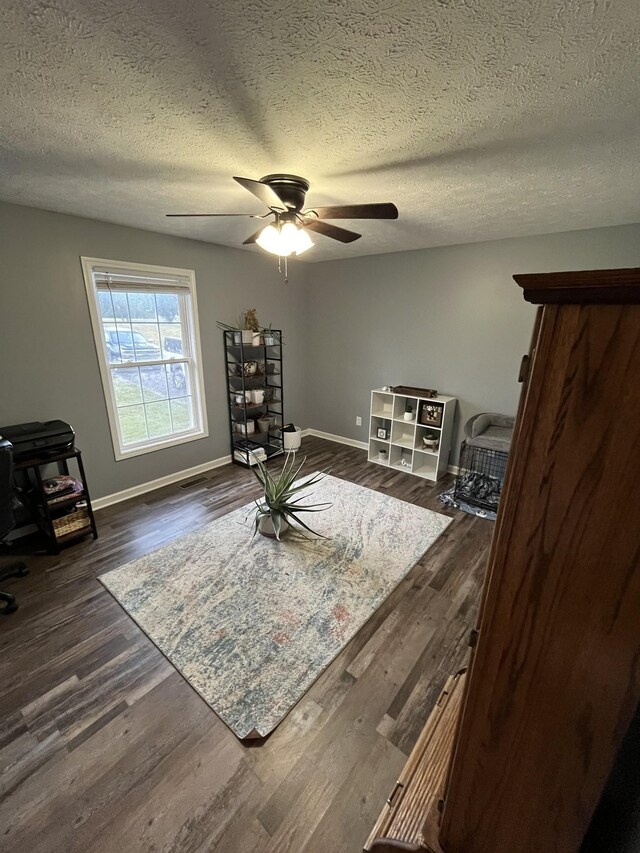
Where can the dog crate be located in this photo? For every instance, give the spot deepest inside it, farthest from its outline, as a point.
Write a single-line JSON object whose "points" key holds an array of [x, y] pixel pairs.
{"points": [[481, 476]]}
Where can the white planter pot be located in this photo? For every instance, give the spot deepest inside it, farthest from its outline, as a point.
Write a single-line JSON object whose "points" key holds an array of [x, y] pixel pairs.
{"points": [[409, 416], [257, 339], [269, 341], [265, 527], [247, 336], [292, 440]]}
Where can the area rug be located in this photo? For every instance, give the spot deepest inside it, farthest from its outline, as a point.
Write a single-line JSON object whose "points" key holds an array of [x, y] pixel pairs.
{"points": [[251, 622]]}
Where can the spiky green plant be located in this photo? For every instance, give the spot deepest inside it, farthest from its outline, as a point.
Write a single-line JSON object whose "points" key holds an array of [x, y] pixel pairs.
{"points": [[280, 490]]}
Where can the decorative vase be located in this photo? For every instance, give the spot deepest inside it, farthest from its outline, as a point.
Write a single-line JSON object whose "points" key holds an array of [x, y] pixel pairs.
{"points": [[408, 416], [265, 527]]}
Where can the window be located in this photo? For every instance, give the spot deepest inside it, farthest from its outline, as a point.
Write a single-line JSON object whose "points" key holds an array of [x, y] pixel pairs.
{"points": [[145, 325]]}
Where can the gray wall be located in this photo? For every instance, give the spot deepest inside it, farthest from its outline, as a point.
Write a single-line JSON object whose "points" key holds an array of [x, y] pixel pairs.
{"points": [[50, 368], [450, 318]]}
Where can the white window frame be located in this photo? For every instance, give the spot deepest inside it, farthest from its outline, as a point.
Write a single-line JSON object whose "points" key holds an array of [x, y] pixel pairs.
{"points": [[159, 277]]}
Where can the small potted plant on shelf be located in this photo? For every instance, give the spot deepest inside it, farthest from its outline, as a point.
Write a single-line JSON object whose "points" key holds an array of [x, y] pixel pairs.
{"points": [[430, 440], [271, 337], [409, 414], [280, 505], [246, 329], [265, 423]]}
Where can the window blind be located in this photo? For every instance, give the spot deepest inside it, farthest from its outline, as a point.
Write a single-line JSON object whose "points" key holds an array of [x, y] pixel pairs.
{"points": [[105, 281]]}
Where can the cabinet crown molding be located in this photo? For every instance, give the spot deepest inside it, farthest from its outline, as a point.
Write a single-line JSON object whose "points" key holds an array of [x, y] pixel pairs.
{"points": [[582, 287]]}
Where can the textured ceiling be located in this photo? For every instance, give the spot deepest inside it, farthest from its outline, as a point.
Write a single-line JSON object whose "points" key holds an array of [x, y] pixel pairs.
{"points": [[480, 118]]}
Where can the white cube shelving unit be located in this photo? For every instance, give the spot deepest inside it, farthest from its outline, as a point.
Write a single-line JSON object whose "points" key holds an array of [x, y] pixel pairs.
{"points": [[405, 450]]}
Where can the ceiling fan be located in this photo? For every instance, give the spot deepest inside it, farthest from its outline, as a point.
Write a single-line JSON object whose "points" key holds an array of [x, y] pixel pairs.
{"points": [[285, 195]]}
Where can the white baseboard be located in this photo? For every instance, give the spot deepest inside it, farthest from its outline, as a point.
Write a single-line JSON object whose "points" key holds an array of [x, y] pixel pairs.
{"points": [[340, 439], [167, 480], [187, 473]]}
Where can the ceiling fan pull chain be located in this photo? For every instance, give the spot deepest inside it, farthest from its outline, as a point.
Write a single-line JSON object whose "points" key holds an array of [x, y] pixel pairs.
{"points": [[286, 270]]}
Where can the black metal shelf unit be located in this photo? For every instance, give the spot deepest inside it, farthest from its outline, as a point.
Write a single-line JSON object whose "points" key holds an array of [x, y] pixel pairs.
{"points": [[254, 424]]}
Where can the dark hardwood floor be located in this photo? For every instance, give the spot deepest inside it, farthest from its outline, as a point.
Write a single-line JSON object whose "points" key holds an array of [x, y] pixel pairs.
{"points": [[104, 747]]}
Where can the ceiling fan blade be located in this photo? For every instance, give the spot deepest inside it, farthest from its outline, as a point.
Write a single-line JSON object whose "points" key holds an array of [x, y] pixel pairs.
{"points": [[253, 237], [264, 192], [384, 210], [331, 230], [252, 215]]}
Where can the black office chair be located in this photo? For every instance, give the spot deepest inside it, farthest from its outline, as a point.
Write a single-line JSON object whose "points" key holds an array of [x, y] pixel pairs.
{"points": [[15, 569]]}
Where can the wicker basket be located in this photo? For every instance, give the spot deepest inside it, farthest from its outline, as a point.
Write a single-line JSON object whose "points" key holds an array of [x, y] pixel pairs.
{"points": [[71, 523]]}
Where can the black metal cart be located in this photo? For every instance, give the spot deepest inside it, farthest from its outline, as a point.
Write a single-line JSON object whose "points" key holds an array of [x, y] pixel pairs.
{"points": [[63, 517]]}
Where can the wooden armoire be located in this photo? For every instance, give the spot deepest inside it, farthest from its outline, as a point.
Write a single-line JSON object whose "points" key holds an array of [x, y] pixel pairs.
{"points": [[516, 753]]}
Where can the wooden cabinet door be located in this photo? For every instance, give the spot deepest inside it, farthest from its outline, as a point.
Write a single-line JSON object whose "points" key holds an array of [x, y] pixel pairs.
{"points": [[556, 673]]}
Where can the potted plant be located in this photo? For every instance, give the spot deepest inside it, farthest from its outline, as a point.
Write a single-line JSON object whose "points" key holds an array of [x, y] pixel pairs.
{"points": [[280, 505], [245, 330], [430, 440], [408, 412], [270, 337], [265, 423]]}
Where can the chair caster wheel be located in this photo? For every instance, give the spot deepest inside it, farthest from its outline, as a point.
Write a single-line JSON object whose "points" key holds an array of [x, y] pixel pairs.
{"points": [[11, 604]]}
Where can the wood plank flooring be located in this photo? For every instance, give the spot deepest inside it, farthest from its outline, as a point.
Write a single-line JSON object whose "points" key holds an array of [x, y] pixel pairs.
{"points": [[104, 747]]}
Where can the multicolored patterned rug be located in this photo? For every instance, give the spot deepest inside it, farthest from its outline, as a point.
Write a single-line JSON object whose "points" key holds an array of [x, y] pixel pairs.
{"points": [[252, 622]]}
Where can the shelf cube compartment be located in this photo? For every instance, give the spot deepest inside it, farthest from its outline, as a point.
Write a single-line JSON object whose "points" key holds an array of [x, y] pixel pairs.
{"points": [[401, 458], [431, 413], [425, 431], [400, 407], [381, 405], [403, 434], [375, 447], [425, 465], [377, 424]]}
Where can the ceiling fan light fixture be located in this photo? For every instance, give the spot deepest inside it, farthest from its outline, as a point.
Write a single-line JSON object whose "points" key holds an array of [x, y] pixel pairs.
{"points": [[303, 241], [285, 240], [270, 240]]}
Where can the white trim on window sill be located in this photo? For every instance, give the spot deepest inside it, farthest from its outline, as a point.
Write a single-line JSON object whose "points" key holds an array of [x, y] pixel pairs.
{"points": [[157, 444]]}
